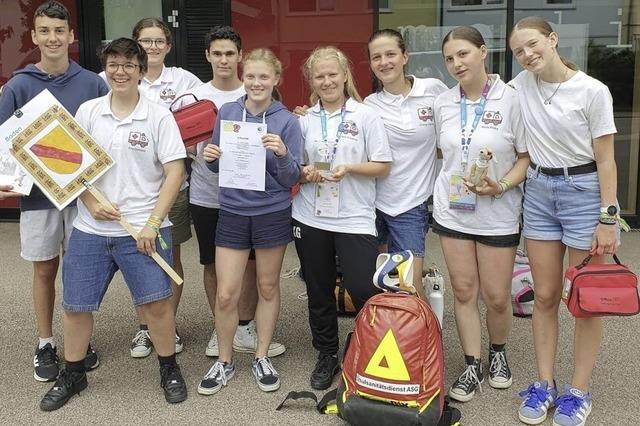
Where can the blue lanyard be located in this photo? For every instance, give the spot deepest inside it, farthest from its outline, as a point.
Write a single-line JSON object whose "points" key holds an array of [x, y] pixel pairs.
{"points": [[331, 153], [479, 110]]}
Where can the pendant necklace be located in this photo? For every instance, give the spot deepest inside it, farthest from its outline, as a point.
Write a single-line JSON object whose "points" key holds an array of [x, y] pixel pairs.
{"points": [[547, 101]]}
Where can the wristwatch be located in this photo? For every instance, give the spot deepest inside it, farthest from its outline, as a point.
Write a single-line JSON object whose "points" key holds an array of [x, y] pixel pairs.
{"points": [[611, 210]]}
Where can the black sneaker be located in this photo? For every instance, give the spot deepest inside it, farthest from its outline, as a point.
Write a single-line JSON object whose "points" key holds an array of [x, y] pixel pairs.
{"points": [[265, 374], [499, 371], [465, 386], [175, 389], [67, 385], [45, 364], [91, 361], [326, 367]]}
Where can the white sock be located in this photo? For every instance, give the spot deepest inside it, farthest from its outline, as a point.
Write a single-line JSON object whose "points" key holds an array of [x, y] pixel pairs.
{"points": [[43, 341]]}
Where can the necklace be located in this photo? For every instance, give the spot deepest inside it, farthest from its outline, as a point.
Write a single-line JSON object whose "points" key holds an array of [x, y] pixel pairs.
{"points": [[547, 101]]}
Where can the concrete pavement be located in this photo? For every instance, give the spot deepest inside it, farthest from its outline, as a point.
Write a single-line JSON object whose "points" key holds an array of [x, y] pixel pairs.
{"points": [[124, 390]]}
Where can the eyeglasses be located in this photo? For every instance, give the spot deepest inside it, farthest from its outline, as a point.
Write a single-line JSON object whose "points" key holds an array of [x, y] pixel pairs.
{"points": [[128, 67], [148, 42]]}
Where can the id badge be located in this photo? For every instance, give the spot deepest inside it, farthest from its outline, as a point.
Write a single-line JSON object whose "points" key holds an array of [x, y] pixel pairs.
{"points": [[460, 197], [327, 200], [324, 168]]}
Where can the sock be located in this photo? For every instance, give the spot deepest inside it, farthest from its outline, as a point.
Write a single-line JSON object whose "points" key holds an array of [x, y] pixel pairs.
{"points": [[144, 327], [244, 323], [43, 341], [167, 360], [497, 348], [470, 359], [75, 366]]}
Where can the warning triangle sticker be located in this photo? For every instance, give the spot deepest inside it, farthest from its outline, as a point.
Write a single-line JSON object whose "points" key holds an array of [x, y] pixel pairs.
{"points": [[387, 361]]}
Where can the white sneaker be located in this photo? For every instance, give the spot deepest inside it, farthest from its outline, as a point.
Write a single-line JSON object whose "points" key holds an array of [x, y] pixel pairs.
{"points": [[179, 343], [212, 347], [141, 344], [246, 341]]}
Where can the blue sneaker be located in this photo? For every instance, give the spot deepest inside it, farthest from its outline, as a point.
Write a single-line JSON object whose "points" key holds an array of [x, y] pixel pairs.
{"points": [[538, 398], [573, 409]]}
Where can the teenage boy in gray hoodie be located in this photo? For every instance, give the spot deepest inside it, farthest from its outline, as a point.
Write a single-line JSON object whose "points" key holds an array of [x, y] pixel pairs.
{"points": [[44, 229]]}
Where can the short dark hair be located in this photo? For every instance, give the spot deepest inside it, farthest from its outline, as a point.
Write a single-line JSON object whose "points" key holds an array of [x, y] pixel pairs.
{"points": [[151, 23], [52, 9], [222, 32], [126, 47]]}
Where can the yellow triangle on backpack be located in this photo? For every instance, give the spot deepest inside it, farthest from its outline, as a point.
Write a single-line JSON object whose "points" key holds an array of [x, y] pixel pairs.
{"points": [[387, 362]]}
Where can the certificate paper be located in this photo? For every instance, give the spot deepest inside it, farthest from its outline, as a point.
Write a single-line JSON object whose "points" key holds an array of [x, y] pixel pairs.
{"points": [[243, 159]]}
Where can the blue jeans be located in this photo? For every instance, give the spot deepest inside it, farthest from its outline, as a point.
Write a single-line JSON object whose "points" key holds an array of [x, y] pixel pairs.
{"points": [[91, 261], [407, 231]]}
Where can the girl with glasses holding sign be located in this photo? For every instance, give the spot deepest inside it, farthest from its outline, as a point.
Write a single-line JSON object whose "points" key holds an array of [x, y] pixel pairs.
{"points": [[478, 126]]}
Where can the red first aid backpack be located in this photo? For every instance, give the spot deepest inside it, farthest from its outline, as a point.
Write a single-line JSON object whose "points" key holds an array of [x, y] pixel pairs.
{"points": [[393, 368]]}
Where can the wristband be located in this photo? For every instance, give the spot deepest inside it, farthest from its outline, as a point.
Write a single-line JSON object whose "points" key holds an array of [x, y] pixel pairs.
{"points": [[607, 219], [154, 223]]}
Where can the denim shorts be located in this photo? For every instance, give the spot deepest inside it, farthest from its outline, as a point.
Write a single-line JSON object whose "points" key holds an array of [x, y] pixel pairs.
{"points": [[259, 232], [509, 240], [91, 261], [561, 208], [407, 231]]}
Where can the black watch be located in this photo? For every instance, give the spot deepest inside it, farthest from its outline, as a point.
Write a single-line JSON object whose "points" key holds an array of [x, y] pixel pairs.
{"points": [[611, 210]]}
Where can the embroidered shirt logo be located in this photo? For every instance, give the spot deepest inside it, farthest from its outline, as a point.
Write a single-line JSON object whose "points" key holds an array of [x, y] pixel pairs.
{"points": [[349, 128], [167, 94], [425, 113], [492, 117], [138, 138]]}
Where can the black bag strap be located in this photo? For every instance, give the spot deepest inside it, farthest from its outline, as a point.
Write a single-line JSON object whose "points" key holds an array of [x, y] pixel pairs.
{"points": [[450, 415], [326, 405], [588, 258], [341, 299], [180, 97]]}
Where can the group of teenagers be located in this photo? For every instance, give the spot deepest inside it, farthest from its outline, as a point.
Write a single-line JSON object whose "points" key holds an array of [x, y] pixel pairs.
{"points": [[365, 169]]}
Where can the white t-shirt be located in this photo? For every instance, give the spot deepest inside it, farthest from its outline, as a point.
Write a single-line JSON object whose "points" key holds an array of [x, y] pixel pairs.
{"points": [[204, 183], [501, 130], [560, 134], [410, 128], [362, 140], [165, 89], [139, 144]]}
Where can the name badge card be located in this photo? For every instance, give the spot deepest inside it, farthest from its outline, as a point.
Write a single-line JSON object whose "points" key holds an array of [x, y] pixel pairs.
{"points": [[460, 197], [323, 167], [327, 200]]}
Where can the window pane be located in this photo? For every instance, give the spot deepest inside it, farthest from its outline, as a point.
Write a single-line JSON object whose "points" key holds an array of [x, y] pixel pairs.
{"points": [[466, 2], [302, 5]]}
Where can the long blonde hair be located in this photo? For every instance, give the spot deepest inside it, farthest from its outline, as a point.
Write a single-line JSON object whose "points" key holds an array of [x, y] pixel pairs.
{"points": [[543, 27], [330, 53], [267, 56]]}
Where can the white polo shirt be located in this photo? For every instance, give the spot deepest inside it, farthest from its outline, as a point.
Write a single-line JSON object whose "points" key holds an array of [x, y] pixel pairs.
{"points": [[204, 188], [501, 130], [363, 140], [165, 89], [561, 133], [410, 128], [139, 144]]}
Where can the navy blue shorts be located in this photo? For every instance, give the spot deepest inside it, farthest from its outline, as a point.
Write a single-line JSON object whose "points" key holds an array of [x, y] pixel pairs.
{"points": [[259, 232]]}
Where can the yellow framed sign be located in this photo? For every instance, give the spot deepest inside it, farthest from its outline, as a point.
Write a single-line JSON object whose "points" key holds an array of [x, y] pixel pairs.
{"points": [[55, 150]]}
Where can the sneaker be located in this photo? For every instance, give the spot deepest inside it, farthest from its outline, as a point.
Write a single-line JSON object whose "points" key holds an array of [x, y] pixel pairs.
{"points": [[212, 346], [499, 371], [246, 341], [179, 343], [573, 407], [538, 398], [217, 377], [91, 361], [67, 385], [326, 368], [265, 374], [465, 386], [141, 344], [171, 381], [45, 364]]}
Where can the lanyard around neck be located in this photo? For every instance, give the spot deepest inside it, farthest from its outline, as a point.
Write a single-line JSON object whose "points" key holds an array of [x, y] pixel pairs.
{"points": [[331, 151], [479, 110], [244, 115]]}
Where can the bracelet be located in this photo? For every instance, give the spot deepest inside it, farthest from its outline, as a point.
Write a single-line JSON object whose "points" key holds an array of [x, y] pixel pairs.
{"points": [[507, 184], [154, 223], [504, 187], [607, 219]]}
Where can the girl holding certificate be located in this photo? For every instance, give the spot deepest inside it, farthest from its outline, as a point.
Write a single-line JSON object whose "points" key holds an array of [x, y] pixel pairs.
{"points": [[478, 219], [345, 149], [258, 219]]}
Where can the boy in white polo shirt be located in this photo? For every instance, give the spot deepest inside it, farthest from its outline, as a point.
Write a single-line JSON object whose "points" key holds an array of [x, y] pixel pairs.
{"points": [[145, 143]]}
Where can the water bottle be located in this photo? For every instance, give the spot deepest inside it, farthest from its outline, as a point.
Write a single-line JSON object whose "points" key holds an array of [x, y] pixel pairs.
{"points": [[434, 289]]}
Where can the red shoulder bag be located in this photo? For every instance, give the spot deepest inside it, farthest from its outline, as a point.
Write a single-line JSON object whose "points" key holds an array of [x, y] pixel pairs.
{"points": [[196, 120], [598, 290]]}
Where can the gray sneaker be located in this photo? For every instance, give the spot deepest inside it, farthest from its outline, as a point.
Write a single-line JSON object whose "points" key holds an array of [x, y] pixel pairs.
{"points": [[265, 374], [217, 377], [141, 344], [246, 341], [212, 347]]}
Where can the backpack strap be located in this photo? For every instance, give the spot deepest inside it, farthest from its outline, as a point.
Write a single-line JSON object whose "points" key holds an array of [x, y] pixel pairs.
{"points": [[450, 415], [326, 405]]}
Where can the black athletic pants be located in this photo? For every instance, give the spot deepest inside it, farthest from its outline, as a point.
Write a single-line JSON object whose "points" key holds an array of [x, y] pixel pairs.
{"points": [[317, 250]]}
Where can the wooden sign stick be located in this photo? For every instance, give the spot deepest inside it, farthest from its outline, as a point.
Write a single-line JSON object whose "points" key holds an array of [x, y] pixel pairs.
{"points": [[127, 226]]}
